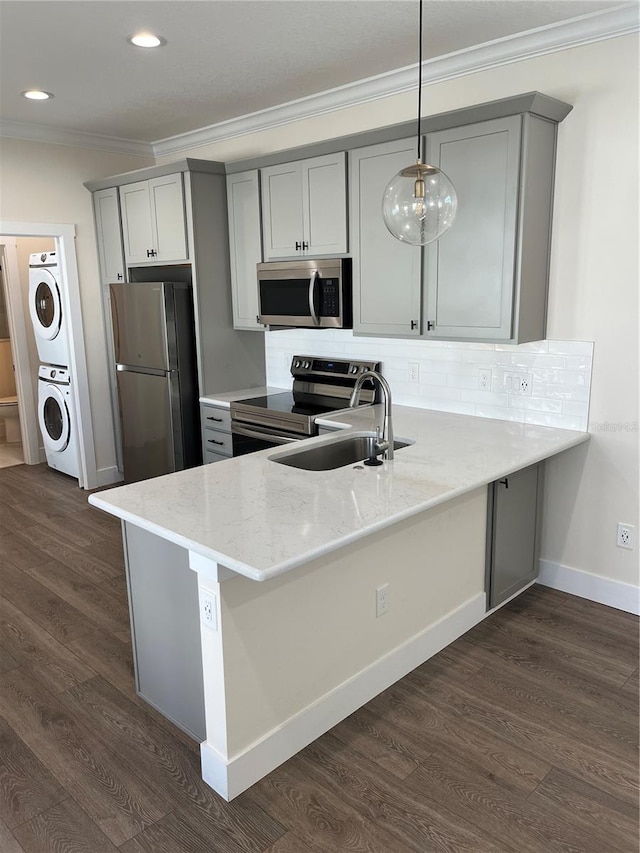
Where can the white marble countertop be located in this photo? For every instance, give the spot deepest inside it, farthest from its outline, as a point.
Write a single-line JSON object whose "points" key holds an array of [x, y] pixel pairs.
{"points": [[223, 399], [260, 518]]}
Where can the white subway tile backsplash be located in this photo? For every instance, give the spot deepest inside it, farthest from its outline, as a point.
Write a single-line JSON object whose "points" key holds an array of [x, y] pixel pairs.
{"points": [[560, 373]]}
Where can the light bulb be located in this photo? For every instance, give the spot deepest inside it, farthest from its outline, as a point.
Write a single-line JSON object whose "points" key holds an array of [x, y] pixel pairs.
{"points": [[419, 204]]}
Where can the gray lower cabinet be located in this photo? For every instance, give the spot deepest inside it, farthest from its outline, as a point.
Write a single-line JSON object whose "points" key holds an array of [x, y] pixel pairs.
{"points": [[513, 521], [487, 278], [165, 629], [216, 433]]}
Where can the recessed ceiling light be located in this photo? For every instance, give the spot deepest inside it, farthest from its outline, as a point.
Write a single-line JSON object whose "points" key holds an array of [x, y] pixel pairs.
{"points": [[147, 40], [37, 95]]}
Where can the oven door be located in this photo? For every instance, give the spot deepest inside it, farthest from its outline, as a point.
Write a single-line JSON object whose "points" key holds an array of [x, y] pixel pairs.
{"points": [[248, 438]]}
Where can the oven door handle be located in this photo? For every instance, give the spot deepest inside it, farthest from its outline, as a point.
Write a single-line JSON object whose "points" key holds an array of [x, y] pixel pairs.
{"points": [[312, 297], [236, 429]]}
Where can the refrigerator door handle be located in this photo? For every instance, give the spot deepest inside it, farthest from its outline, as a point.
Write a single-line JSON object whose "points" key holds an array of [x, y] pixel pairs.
{"points": [[151, 371]]}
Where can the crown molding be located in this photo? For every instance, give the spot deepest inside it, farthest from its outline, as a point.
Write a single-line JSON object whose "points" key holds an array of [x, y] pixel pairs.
{"points": [[597, 26], [76, 138]]}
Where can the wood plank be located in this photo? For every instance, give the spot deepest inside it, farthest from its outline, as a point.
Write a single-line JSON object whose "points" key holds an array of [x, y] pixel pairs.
{"points": [[632, 684], [16, 551], [596, 811], [26, 786], [320, 817], [133, 734], [426, 727], [289, 843], [63, 828], [93, 566], [513, 823], [8, 841], [401, 811], [110, 656], [174, 834], [7, 661], [117, 800], [361, 732], [60, 619], [95, 601], [611, 773], [36, 651]]}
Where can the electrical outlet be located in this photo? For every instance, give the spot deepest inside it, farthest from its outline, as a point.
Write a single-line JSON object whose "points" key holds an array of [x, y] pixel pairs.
{"points": [[382, 600], [518, 383], [484, 379], [208, 610], [626, 536], [414, 371]]}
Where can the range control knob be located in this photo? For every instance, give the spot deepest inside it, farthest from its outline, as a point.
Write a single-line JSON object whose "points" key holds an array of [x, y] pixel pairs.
{"points": [[307, 365], [297, 363], [354, 368], [53, 374], [363, 369]]}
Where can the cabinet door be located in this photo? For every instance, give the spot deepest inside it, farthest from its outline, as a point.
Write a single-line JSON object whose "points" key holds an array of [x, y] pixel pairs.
{"points": [[168, 218], [109, 234], [281, 210], [245, 249], [512, 558], [324, 193], [470, 271], [137, 231], [386, 272]]}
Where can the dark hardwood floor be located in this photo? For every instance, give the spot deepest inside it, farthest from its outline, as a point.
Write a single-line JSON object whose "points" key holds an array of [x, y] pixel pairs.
{"points": [[521, 736]]}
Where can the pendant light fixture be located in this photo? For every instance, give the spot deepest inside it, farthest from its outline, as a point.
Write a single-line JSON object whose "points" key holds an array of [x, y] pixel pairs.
{"points": [[419, 203]]}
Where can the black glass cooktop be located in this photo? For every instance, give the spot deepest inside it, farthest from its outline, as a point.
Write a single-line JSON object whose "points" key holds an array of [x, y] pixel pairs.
{"points": [[285, 403]]}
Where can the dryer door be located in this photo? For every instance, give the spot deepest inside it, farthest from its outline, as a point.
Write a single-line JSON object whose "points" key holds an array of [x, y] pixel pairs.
{"points": [[53, 417], [45, 305]]}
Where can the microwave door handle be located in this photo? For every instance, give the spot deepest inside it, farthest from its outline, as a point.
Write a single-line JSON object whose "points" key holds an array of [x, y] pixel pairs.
{"points": [[312, 297]]}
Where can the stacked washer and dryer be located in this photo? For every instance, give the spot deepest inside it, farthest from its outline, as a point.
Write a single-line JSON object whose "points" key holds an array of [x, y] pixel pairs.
{"points": [[56, 407]]}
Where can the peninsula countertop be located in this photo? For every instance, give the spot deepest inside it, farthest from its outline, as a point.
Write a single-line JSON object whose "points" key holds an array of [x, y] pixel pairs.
{"points": [[261, 519]]}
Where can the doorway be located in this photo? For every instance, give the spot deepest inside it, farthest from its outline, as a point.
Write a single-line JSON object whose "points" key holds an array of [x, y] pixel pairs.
{"points": [[63, 237]]}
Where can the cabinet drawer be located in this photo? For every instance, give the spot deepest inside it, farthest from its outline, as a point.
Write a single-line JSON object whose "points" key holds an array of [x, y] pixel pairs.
{"points": [[215, 418], [210, 457], [217, 442]]}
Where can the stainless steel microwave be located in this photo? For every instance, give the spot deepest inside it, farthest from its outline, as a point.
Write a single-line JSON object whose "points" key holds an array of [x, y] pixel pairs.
{"points": [[306, 293]]}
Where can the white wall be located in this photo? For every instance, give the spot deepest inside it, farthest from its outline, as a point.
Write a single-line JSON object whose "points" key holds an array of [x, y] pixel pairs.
{"points": [[43, 183], [594, 268]]}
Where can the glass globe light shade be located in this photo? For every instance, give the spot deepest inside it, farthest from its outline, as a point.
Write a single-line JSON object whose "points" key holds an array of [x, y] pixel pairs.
{"points": [[419, 204]]}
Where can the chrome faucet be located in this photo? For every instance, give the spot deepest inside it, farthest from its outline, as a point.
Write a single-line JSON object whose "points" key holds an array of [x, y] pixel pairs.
{"points": [[386, 444]]}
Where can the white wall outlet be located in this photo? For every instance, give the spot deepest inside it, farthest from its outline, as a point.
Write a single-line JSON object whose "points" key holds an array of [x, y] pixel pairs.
{"points": [[414, 371], [484, 379], [208, 610], [518, 383], [626, 536], [382, 600]]}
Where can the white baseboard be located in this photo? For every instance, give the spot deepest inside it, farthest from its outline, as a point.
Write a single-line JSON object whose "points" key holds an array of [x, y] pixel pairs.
{"points": [[230, 777], [108, 476], [622, 596]]}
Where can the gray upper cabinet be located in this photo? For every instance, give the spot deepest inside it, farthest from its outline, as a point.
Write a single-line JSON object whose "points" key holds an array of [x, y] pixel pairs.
{"points": [[107, 218], [304, 208], [486, 279], [386, 273], [153, 220], [245, 248]]}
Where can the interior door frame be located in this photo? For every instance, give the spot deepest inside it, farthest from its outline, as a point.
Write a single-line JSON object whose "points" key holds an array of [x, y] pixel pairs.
{"points": [[64, 236]]}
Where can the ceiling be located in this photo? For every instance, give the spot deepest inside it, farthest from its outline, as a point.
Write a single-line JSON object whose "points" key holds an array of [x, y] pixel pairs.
{"points": [[226, 58]]}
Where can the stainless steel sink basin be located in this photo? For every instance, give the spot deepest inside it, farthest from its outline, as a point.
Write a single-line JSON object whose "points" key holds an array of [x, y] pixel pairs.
{"points": [[336, 454]]}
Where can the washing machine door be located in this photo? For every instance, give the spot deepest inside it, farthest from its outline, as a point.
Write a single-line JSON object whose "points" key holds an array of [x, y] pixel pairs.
{"points": [[45, 305], [53, 417]]}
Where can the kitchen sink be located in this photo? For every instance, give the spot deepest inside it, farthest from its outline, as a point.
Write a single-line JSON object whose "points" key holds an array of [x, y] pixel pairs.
{"points": [[336, 454]]}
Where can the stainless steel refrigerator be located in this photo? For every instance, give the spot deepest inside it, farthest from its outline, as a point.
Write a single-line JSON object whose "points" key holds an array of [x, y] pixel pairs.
{"points": [[155, 354]]}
